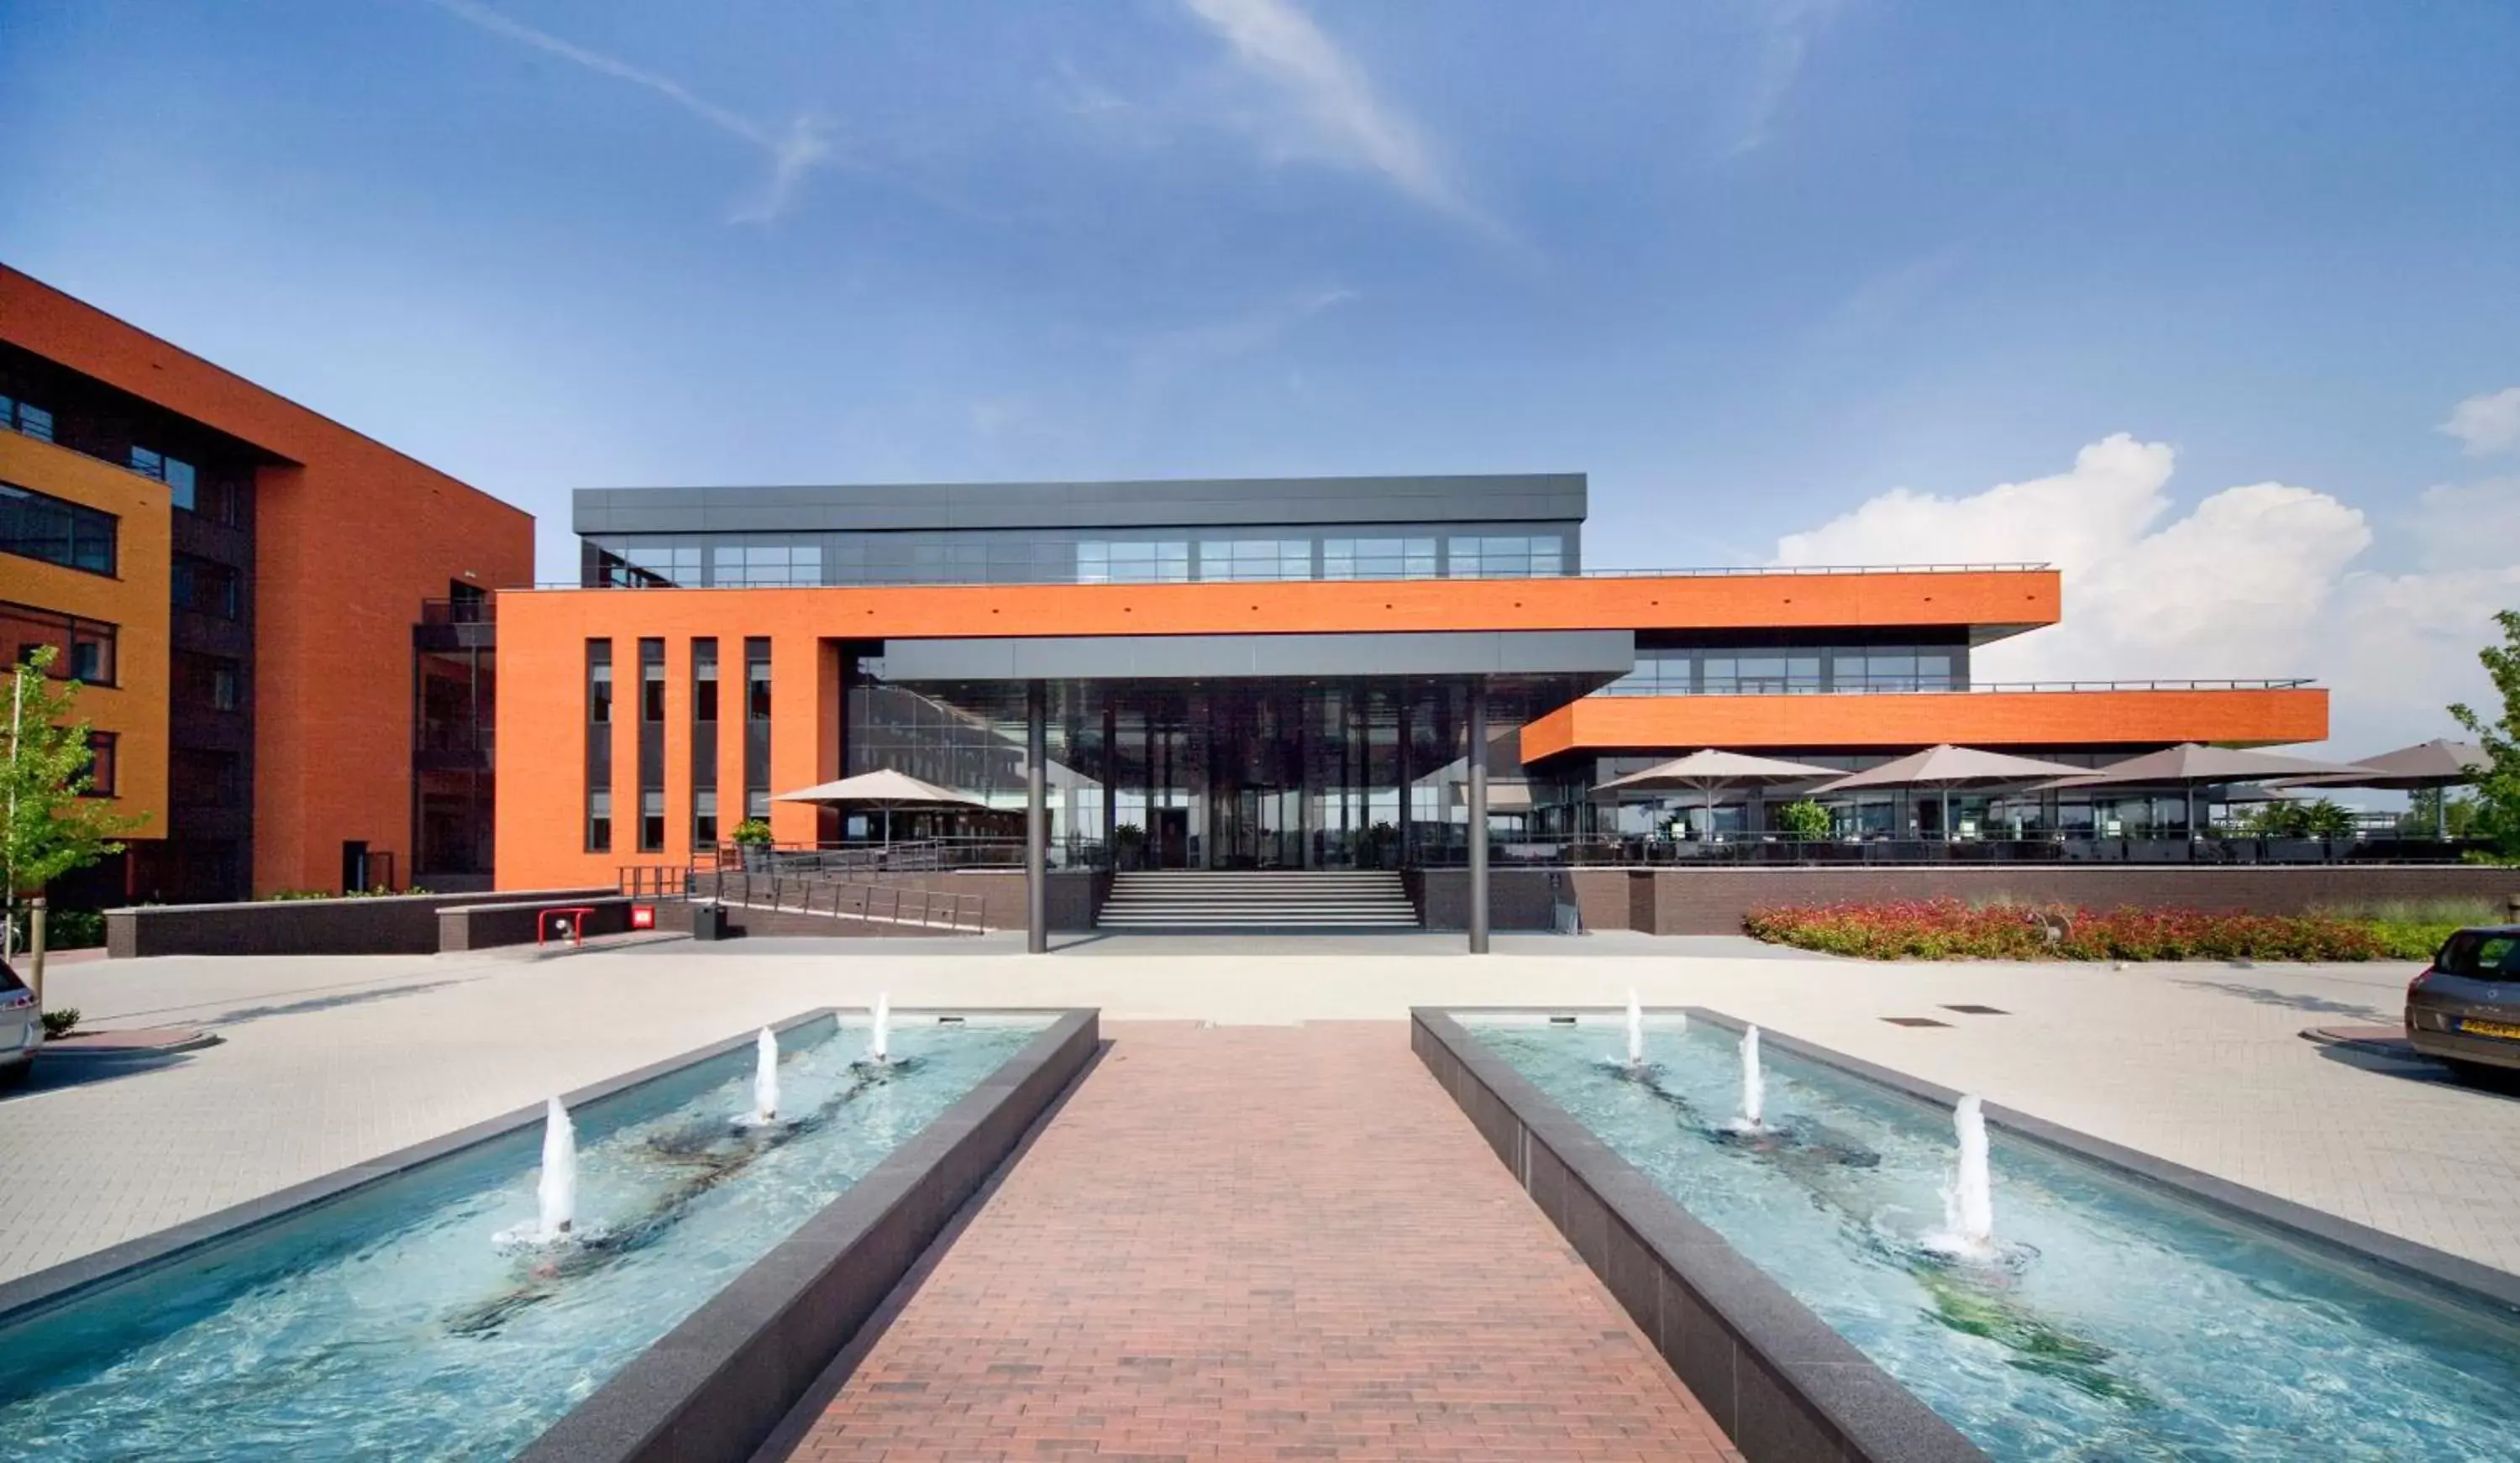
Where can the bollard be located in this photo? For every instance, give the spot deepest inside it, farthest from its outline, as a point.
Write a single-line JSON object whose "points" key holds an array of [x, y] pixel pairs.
{"points": [[35, 951]]}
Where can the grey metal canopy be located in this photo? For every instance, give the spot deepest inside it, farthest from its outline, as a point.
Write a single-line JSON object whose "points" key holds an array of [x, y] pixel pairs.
{"points": [[1707, 770], [2429, 764], [2193, 765], [883, 790]]}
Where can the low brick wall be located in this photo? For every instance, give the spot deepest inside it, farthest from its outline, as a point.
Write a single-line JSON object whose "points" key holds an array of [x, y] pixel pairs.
{"points": [[489, 926], [400, 924], [1713, 901]]}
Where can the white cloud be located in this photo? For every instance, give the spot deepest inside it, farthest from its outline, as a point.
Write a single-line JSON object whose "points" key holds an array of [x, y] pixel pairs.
{"points": [[1786, 30], [1331, 110], [2254, 581], [805, 144], [2486, 424]]}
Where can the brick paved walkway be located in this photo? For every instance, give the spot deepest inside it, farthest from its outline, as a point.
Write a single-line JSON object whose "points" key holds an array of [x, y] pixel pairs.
{"points": [[1261, 1243]]}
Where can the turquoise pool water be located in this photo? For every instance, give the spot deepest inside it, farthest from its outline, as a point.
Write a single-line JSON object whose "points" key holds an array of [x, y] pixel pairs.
{"points": [[2115, 1322], [390, 1324]]}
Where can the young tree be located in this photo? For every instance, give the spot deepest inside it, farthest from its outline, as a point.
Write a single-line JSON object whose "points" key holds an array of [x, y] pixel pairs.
{"points": [[2498, 788], [47, 827]]}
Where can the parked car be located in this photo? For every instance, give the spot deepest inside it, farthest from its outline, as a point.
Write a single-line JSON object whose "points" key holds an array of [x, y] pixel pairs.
{"points": [[22, 1027], [2466, 1007]]}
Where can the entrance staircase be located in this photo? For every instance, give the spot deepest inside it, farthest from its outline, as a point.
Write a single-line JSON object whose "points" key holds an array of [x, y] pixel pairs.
{"points": [[1257, 898]]}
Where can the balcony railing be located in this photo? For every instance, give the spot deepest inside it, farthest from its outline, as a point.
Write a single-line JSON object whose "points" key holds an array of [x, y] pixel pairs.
{"points": [[482, 611], [1877, 685], [1697, 571], [1785, 850]]}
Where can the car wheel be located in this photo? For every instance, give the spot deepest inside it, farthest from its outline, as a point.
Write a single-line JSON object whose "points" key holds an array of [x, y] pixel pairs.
{"points": [[14, 1074]]}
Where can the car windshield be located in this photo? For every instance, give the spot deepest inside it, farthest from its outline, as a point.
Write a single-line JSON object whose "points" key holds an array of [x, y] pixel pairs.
{"points": [[2473, 953]]}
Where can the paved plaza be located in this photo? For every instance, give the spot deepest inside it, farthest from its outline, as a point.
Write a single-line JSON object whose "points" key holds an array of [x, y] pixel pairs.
{"points": [[325, 1062]]}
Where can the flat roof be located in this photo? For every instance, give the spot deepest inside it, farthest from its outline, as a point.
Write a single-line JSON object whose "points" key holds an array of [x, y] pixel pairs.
{"points": [[1183, 502]]}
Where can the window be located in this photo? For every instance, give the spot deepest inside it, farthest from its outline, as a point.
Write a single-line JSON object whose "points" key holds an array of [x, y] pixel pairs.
{"points": [[705, 818], [705, 680], [598, 683], [1377, 559], [86, 647], [100, 765], [39, 525], [762, 564], [211, 681], [651, 680], [756, 678], [207, 588], [599, 747], [1506, 557], [598, 821], [1132, 561], [199, 777], [651, 821], [176, 473], [27, 418], [1255, 558]]}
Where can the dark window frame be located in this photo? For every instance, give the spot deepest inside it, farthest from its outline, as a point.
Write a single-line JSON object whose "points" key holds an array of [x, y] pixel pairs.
{"points": [[75, 631], [80, 525], [102, 749]]}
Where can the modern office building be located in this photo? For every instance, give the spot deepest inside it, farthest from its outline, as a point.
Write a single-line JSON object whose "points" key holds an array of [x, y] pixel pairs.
{"points": [[262, 605], [1228, 675]]}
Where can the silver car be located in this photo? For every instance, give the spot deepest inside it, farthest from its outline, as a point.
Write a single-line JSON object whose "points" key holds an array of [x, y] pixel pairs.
{"points": [[2465, 1008], [22, 1027]]}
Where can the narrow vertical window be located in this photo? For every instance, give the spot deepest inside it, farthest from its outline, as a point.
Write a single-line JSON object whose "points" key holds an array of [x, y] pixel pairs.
{"points": [[651, 819], [756, 727], [652, 744], [651, 680], [703, 744], [599, 747]]}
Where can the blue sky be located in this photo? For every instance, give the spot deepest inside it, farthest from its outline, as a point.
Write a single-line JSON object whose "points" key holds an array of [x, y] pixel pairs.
{"points": [[1790, 281]]}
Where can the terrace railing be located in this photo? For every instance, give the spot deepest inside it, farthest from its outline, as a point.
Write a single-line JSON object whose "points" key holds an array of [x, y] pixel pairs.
{"points": [[1694, 571], [809, 892], [1897, 685], [1779, 849]]}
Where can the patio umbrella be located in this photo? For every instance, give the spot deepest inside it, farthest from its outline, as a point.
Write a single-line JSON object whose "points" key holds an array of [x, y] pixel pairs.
{"points": [[882, 790], [1946, 766], [1708, 769], [2193, 765], [2431, 765]]}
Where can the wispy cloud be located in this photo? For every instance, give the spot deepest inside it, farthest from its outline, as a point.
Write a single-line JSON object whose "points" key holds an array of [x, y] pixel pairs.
{"points": [[1331, 110], [2487, 423], [1786, 29], [804, 145]]}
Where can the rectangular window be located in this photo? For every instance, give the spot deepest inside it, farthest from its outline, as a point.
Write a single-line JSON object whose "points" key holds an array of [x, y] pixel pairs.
{"points": [[86, 647], [210, 682], [1255, 558], [651, 819], [1377, 559], [27, 418], [100, 765], [756, 727], [207, 588], [704, 819], [599, 747], [39, 525], [704, 681], [651, 680], [1132, 561]]}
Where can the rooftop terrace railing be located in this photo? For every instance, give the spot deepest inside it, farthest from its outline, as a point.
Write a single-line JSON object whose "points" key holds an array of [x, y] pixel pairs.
{"points": [[1732, 571], [1893, 686]]}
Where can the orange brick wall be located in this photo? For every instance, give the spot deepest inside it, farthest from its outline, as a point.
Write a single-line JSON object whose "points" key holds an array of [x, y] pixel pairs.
{"points": [[351, 537], [1986, 719]]}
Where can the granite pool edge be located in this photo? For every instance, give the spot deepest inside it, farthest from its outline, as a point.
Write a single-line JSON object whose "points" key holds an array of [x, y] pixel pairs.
{"points": [[716, 1386], [2466, 1279], [1782, 1383], [30, 1294]]}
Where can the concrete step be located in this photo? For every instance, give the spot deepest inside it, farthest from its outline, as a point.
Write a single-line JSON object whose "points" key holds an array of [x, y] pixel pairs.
{"points": [[1257, 898]]}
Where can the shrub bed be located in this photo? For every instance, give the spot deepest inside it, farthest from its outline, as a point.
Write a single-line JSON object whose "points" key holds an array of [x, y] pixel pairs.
{"points": [[1941, 929]]}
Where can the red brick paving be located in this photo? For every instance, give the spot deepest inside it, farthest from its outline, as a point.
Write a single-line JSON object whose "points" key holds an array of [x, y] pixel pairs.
{"points": [[1261, 1242]]}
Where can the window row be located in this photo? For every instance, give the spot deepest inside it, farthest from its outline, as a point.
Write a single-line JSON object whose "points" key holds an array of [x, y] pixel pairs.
{"points": [[1715, 672], [39, 525], [1060, 557], [212, 495], [650, 740], [86, 647]]}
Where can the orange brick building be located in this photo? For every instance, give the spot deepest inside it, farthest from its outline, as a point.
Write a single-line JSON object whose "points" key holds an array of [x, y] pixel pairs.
{"points": [[1223, 675], [240, 584]]}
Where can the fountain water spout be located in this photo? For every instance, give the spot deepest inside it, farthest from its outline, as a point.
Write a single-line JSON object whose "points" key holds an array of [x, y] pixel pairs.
{"points": [[765, 1076], [555, 1192], [879, 1038], [1754, 1087], [1636, 1030], [1968, 1205]]}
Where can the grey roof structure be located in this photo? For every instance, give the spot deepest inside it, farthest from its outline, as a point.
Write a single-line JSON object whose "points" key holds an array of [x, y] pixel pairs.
{"points": [[1189, 503]]}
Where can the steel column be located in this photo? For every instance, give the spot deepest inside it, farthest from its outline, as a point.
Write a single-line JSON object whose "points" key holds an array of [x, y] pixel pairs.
{"points": [[1478, 814], [1036, 817]]}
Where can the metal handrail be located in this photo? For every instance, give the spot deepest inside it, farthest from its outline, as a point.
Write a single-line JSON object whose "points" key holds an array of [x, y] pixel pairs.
{"points": [[806, 891], [2276, 682], [1695, 571]]}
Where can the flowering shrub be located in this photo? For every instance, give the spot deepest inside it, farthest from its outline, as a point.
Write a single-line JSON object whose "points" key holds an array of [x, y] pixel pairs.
{"points": [[1937, 929]]}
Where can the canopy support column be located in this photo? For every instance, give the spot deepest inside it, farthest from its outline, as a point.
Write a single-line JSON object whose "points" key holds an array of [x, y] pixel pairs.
{"points": [[1478, 814], [1036, 819]]}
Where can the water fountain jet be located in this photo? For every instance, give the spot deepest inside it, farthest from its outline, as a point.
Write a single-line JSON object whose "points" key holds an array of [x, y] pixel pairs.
{"points": [[1968, 1203], [1636, 1030], [879, 1037], [765, 1079], [1754, 1087]]}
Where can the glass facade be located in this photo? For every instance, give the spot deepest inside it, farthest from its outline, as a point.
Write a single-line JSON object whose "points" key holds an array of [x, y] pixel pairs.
{"points": [[1051, 555], [1338, 773], [1792, 670]]}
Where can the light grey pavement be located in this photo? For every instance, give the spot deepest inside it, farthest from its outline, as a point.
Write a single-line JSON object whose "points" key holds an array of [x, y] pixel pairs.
{"points": [[329, 1061]]}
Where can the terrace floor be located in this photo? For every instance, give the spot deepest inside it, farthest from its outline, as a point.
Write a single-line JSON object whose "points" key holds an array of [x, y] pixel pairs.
{"points": [[1257, 1242]]}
